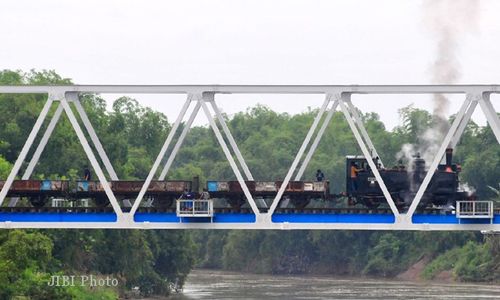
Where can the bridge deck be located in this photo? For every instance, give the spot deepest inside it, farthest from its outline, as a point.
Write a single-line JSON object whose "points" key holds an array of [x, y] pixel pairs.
{"points": [[230, 219]]}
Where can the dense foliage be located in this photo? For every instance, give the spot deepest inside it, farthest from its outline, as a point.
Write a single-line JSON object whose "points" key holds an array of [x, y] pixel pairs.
{"points": [[150, 260], [132, 136]]}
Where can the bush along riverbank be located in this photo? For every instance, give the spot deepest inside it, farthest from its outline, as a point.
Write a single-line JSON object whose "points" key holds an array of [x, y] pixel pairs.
{"points": [[445, 256]]}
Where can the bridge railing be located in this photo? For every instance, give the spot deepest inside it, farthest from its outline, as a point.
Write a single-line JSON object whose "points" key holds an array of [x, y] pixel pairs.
{"points": [[474, 209], [195, 208]]}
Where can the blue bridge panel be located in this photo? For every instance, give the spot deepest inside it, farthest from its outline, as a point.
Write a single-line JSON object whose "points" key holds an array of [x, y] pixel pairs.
{"points": [[333, 218], [451, 219], [57, 217], [238, 218], [156, 217], [172, 217]]}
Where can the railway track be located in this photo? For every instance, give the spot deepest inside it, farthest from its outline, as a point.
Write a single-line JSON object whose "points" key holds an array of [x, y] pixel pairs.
{"points": [[337, 210]]}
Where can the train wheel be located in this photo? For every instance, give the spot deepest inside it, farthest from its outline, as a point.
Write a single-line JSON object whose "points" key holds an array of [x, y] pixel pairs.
{"points": [[163, 202], [371, 203], [236, 201], [38, 201], [101, 201], [300, 202]]}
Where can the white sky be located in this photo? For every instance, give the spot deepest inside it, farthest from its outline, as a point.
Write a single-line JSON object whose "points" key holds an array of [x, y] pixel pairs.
{"points": [[243, 42]]}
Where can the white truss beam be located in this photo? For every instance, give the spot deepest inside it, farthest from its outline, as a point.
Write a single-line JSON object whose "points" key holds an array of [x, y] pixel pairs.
{"points": [[179, 142], [253, 226], [432, 168], [463, 124], [254, 89], [43, 142], [39, 149], [91, 156], [229, 157], [316, 141], [230, 138], [299, 155], [160, 156], [72, 97], [25, 149], [93, 136], [491, 115], [358, 121], [368, 158]]}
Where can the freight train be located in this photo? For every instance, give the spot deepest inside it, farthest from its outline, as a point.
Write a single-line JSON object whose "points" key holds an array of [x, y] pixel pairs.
{"points": [[361, 188], [163, 194]]}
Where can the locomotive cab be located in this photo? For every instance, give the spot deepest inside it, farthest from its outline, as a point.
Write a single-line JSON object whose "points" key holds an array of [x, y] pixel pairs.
{"points": [[362, 186]]}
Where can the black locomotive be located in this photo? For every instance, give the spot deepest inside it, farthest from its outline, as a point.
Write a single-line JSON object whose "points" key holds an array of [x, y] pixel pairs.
{"points": [[402, 183]]}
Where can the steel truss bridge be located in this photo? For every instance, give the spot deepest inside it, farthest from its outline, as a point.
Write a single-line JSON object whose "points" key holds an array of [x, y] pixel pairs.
{"points": [[203, 98]]}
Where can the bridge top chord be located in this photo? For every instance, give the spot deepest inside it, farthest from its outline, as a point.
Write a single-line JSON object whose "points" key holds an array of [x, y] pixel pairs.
{"points": [[256, 89]]}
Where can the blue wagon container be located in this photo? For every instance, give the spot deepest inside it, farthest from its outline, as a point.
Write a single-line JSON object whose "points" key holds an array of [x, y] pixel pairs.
{"points": [[46, 185], [212, 186], [83, 186]]}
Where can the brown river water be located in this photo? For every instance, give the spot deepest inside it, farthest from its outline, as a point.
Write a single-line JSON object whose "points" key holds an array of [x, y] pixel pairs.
{"points": [[209, 284]]}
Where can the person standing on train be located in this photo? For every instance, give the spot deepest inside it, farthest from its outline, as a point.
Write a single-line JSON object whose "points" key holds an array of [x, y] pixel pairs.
{"points": [[204, 195], [319, 175], [185, 204], [354, 176], [86, 174]]}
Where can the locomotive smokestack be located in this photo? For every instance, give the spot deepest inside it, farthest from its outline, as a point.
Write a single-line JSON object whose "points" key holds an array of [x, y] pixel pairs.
{"points": [[449, 156]]}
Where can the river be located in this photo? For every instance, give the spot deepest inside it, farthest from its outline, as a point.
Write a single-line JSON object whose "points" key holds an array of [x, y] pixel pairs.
{"points": [[209, 284]]}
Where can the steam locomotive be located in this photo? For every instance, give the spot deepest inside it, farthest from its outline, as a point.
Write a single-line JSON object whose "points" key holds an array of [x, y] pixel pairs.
{"points": [[362, 188], [403, 184]]}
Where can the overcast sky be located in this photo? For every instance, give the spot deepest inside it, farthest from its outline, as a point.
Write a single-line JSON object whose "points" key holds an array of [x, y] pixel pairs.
{"points": [[248, 42]]}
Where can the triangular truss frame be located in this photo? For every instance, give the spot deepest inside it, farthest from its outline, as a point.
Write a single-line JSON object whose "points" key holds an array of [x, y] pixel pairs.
{"points": [[63, 100], [200, 100]]}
